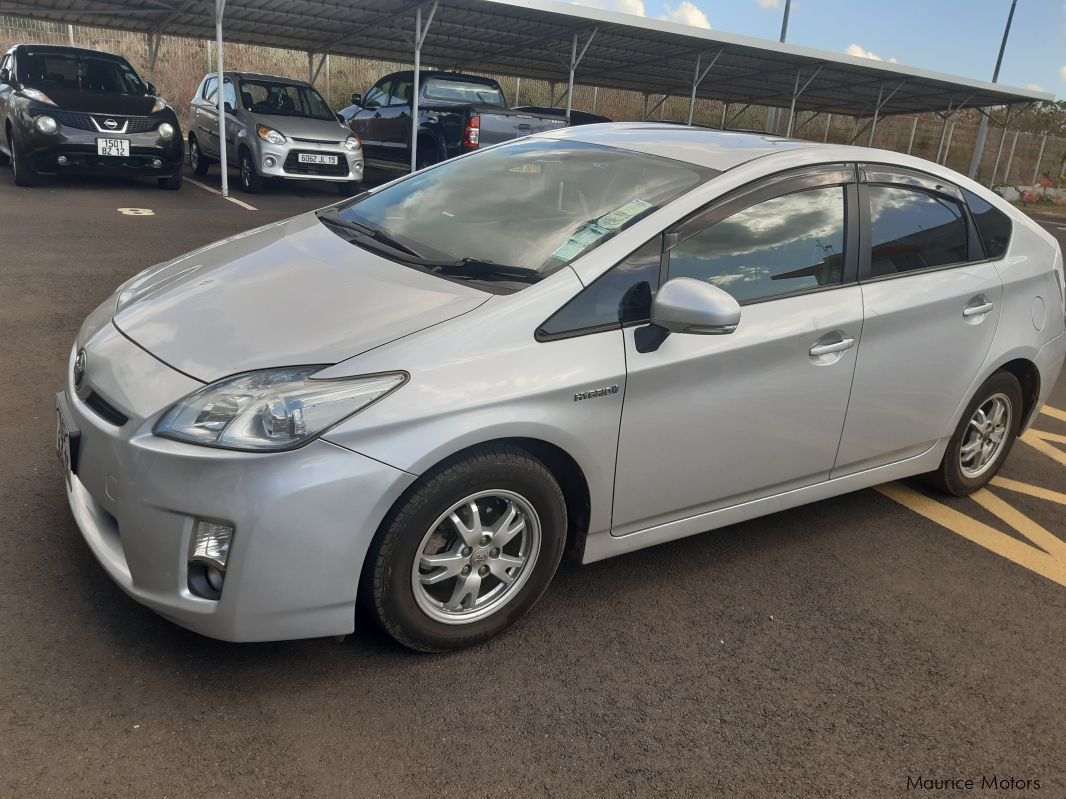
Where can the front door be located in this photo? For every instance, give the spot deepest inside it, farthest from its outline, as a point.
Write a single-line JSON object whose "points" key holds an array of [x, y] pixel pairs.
{"points": [[370, 121], [710, 421], [932, 306]]}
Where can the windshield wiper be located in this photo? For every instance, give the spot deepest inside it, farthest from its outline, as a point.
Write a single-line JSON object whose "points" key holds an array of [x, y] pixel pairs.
{"points": [[476, 269], [376, 234]]}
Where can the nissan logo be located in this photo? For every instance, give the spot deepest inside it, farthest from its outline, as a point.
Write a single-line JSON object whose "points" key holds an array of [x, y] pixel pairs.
{"points": [[110, 123], [79, 370]]}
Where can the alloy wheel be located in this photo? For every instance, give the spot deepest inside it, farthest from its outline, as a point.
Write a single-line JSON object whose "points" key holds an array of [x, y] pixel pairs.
{"points": [[985, 435], [476, 556]]}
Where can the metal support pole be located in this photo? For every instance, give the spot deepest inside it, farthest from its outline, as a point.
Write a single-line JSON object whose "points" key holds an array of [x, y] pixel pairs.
{"points": [[517, 91], [644, 114], [310, 67], [1010, 159], [797, 91], [210, 58], [595, 97], [943, 133], [420, 38], [1039, 155], [575, 61], [982, 131], [551, 94], [999, 154], [70, 34], [914, 129], [947, 147], [828, 122], [877, 110], [655, 107], [725, 110], [327, 82], [220, 9]]}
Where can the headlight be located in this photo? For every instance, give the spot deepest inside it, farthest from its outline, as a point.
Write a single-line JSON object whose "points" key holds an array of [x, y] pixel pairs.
{"points": [[352, 143], [272, 409], [270, 135], [160, 104], [37, 95], [46, 124], [166, 131]]}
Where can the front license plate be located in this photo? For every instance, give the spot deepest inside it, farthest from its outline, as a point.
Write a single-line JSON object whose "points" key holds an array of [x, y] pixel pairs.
{"points": [[67, 438], [315, 158], [113, 147]]}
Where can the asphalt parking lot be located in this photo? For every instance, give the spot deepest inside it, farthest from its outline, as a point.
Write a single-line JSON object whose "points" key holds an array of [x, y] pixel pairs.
{"points": [[834, 650]]}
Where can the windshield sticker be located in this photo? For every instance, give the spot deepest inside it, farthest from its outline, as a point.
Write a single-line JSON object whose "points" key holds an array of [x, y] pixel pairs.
{"points": [[592, 232]]}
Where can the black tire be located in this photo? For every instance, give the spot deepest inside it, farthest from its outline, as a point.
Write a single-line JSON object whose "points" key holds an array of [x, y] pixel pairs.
{"points": [[24, 173], [197, 160], [173, 182], [427, 155], [251, 181], [349, 188], [386, 588], [950, 477], [5, 159]]}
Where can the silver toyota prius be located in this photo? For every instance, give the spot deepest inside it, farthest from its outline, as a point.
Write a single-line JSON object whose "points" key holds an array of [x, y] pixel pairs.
{"points": [[587, 341]]}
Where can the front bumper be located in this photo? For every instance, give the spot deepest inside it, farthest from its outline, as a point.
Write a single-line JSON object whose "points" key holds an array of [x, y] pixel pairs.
{"points": [[303, 519], [282, 161], [78, 149]]}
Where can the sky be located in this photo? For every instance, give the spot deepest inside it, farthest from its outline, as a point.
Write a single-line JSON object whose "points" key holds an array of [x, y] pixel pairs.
{"points": [[957, 37]]}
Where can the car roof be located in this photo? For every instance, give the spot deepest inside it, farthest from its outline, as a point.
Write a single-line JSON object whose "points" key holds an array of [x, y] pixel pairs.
{"points": [[261, 76], [717, 149], [63, 48]]}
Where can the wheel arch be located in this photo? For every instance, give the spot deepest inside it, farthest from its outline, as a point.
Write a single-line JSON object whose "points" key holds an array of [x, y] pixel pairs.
{"points": [[1028, 375], [430, 138]]}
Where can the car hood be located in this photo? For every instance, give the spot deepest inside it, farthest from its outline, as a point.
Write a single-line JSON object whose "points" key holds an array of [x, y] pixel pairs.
{"points": [[295, 127], [101, 102], [286, 294]]}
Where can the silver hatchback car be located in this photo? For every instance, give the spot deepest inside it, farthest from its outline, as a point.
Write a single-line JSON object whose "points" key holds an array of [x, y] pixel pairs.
{"points": [[591, 340], [275, 128]]}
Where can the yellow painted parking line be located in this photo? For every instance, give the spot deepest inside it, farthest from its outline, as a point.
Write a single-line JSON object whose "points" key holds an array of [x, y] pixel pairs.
{"points": [[1046, 564], [1054, 413], [1038, 440], [1031, 490], [1051, 544], [216, 191]]}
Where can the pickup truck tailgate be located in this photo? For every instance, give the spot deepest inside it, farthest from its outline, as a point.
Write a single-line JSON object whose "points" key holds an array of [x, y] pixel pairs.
{"points": [[500, 126]]}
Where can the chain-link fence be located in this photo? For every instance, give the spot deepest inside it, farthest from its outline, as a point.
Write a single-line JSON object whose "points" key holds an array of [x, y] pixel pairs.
{"points": [[1013, 158]]}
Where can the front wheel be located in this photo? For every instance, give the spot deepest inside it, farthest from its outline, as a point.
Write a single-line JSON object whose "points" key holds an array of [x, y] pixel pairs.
{"points": [[251, 181], [983, 438], [469, 549], [24, 173]]}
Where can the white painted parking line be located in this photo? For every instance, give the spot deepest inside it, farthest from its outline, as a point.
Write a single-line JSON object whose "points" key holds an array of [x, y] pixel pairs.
{"points": [[136, 211], [216, 191]]}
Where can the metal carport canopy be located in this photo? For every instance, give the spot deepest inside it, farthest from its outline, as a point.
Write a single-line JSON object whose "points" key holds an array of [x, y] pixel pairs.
{"points": [[553, 41]]}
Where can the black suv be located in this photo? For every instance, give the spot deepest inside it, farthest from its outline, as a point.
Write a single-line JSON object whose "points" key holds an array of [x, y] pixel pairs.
{"points": [[69, 110]]}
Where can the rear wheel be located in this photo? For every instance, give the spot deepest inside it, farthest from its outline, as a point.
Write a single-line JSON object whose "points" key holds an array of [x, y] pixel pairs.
{"points": [[467, 552], [983, 438], [251, 181], [197, 161], [426, 156]]}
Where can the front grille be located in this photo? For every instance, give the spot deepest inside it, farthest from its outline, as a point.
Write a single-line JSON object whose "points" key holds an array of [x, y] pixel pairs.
{"points": [[337, 170], [81, 121], [105, 410], [316, 141]]}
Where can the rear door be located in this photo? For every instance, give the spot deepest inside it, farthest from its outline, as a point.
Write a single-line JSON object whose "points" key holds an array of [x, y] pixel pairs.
{"points": [[717, 420], [931, 307]]}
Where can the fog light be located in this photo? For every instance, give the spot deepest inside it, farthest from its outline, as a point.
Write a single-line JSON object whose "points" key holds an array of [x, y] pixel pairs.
{"points": [[157, 162], [270, 162], [210, 544], [214, 578], [46, 124], [62, 160]]}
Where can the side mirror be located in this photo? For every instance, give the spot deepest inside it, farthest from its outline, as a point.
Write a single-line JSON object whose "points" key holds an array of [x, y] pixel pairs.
{"points": [[340, 118], [151, 88], [229, 108], [5, 76], [687, 305], [357, 99]]}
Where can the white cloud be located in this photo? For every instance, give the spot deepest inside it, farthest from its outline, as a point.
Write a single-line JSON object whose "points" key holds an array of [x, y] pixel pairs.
{"points": [[769, 3], [635, 7], [1062, 73], [1034, 87], [687, 14], [860, 52]]}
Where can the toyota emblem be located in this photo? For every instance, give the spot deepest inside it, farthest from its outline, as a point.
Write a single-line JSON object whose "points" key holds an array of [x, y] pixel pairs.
{"points": [[110, 123], [79, 370]]}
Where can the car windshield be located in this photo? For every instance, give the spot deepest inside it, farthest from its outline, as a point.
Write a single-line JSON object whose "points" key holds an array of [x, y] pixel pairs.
{"points": [[284, 99], [464, 91], [50, 70], [514, 213]]}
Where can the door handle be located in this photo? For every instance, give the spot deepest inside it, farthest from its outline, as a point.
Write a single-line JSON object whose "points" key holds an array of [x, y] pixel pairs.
{"points": [[846, 343], [377, 115], [977, 310]]}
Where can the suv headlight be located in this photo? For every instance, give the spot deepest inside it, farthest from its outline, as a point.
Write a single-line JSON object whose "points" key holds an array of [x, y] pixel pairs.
{"points": [[269, 135], [159, 105], [166, 131], [272, 409], [38, 95], [351, 143]]}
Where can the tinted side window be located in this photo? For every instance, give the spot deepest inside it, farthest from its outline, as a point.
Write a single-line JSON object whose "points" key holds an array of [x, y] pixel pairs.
{"points": [[621, 296], [993, 226], [209, 89], [401, 91], [912, 229], [781, 245], [378, 95]]}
